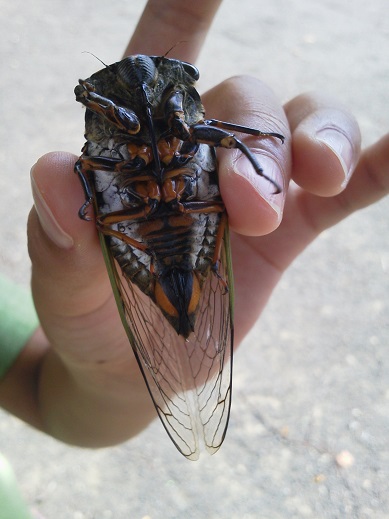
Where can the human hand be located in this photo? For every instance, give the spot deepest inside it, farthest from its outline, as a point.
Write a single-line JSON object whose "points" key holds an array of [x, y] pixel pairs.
{"points": [[330, 180], [96, 379]]}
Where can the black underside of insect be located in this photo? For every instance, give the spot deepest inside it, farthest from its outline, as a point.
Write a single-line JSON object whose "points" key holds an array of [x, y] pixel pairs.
{"points": [[149, 169]]}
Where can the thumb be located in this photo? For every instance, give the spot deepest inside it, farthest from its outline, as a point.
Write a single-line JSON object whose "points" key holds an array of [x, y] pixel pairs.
{"points": [[69, 281]]}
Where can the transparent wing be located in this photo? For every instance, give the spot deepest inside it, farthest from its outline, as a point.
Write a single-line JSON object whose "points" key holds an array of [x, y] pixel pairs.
{"points": [[189, 380]]}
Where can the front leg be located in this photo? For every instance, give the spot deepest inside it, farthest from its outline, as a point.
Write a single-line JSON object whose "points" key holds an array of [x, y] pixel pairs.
{"points": [[123, 118], [175, 116], [202, 133]]}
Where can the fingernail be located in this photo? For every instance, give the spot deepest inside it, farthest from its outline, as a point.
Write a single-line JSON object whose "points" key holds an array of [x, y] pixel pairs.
{"points": [[340, 145], [261, 184], [49, 224]]}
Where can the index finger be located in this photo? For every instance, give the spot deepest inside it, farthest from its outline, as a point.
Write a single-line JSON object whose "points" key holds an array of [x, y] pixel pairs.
{"points": [[165, 24], [254, 206]]}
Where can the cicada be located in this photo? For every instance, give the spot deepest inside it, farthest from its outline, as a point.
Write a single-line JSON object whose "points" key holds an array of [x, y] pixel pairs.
{"points": [[149, 168]]}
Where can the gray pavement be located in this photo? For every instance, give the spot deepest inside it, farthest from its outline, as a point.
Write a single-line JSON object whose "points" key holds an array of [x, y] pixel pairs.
{"points": [[312, 379]]}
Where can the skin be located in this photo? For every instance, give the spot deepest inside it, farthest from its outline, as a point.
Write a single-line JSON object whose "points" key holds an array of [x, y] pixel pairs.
{"points": [[76, 378]]}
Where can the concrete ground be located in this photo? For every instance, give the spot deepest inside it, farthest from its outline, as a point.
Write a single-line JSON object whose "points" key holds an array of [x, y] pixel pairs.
{"points": [[310, 420]]}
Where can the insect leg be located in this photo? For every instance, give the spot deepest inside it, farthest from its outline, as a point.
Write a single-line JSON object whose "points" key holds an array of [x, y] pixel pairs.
{"points": [[85, 165], [122, 237], [173, 189], [202, 207], [202, 133], [242, 129], [123, 118], [82, 173], [175, 116], [122, 216], [111, 164]]}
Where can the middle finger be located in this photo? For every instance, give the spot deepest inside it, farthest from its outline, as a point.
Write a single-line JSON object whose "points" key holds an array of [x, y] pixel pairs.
{"points": [[172, 23]]}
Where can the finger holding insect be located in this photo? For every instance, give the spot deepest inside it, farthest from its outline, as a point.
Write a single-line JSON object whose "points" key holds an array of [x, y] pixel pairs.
{"points": [[259, 190], [159, 22], [59, 241], [76, 308]]}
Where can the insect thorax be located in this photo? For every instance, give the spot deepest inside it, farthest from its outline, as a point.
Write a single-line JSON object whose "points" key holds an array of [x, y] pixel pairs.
{"points": [[165, 236]]}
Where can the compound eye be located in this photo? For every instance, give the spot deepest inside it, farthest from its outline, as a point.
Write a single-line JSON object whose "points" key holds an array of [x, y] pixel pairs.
{"points": [[191, 70]]}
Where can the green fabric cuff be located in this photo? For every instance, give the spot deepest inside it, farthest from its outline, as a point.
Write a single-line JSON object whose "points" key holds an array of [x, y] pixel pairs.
{"points": [[12, 505], [18, 320]]}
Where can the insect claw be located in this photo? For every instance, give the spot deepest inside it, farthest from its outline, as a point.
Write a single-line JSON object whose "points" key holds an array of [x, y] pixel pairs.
{"points": [[277, 136], [277, 186], [82, 211], [245, 150]]}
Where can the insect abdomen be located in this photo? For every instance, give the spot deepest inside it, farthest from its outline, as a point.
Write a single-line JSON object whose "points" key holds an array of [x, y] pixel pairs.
{"points": [[178, 253]]}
